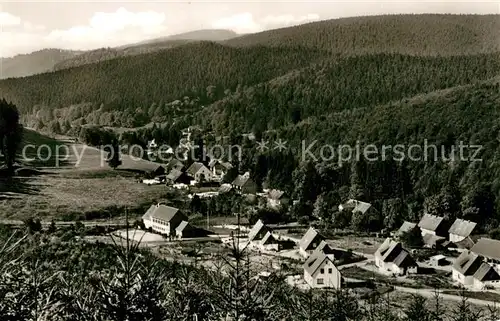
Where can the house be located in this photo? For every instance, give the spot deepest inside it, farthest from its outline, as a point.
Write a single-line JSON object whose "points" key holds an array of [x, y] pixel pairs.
{"points": [[431, 224], [460, 230], [321, 272], [405, 228], [357, 206], [310, 242], [219, 168], [470, 270], [489, 249], [176, 164], [186, 230], [163, 219], [257, 232], [157, 171], [199, 172], [269, 242], [465, 244], [276, 198], [177, 177], [244, 184], [438, 260], [391, 257]]}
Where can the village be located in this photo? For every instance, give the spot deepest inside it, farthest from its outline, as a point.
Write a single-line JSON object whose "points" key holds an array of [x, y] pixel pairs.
{"points": [[419, 256]]}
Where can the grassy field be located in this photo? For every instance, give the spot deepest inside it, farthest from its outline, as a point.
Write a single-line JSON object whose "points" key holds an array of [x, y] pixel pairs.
{"points": [[80, 187]]}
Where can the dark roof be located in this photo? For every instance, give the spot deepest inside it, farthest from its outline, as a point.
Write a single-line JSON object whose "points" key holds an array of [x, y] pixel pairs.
{"points": [[404, 259], [315, 261], [269, 239], [174, 163], [486, 273], [430, 222], [195, 168], [488, 248], [308, 238], [392, 251], [462, 227], [467, 263], [259, 227], [174, 175], [406, 227], [242, 180], [325, 248], [161, 212], [184, 225]]}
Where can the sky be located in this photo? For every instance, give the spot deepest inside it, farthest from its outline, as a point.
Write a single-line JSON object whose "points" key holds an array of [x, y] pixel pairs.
{"points": [[27, 26]]}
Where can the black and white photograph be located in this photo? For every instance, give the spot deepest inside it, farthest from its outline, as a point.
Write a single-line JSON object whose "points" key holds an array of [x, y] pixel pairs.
{"points": [[282, 160]]}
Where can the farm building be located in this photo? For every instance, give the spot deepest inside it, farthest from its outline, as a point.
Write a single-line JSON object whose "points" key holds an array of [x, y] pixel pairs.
{"points": [[177, 177], [489, 249], [176, 164], [186, 230], [405, 228], [269, 242], [433, 225], [244, 184], [219, 168], [258, 231], [391, 257], [461, 229], [438, 260], [163, 219], [321, 272], [470, 270], [310, 242], [199, 172], [357, 206]]}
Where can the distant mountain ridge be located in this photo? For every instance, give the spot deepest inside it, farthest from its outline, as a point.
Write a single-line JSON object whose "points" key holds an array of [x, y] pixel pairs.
{"points": [[34, 63], [47, 60]]}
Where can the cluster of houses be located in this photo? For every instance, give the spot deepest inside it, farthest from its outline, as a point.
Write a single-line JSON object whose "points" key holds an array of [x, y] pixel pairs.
{"points": [[319, 268], [478, 265]]}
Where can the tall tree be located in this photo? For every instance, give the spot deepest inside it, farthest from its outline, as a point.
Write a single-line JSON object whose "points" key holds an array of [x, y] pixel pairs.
{"points": [[10, 132]]}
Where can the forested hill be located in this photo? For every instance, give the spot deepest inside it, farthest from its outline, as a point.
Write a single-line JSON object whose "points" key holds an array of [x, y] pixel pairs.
{"points": [[343, 84], [139, 81], [33, 63], [148, 46], [429, 34]]}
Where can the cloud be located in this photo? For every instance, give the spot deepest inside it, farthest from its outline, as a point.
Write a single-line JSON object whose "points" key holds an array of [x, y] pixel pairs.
{"points": [[7, 19], [110, 29], [245, 22]]}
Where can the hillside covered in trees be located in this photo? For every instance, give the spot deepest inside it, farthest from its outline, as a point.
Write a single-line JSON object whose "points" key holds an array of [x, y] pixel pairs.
{"points": [[428, 34], [148, 46], [385, 80], [33, 63]]}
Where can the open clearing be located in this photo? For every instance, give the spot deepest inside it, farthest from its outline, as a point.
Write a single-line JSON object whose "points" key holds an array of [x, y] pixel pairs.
{"points": [[76, 190]]}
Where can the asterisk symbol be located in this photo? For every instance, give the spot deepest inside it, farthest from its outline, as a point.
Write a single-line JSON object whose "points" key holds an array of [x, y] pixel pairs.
{"points": [[280, 145], [262, 145]]}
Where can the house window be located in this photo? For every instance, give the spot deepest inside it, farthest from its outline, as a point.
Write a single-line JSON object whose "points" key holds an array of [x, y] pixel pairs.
{"points": [[330, 271], [320, 281], [322, 271]]}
